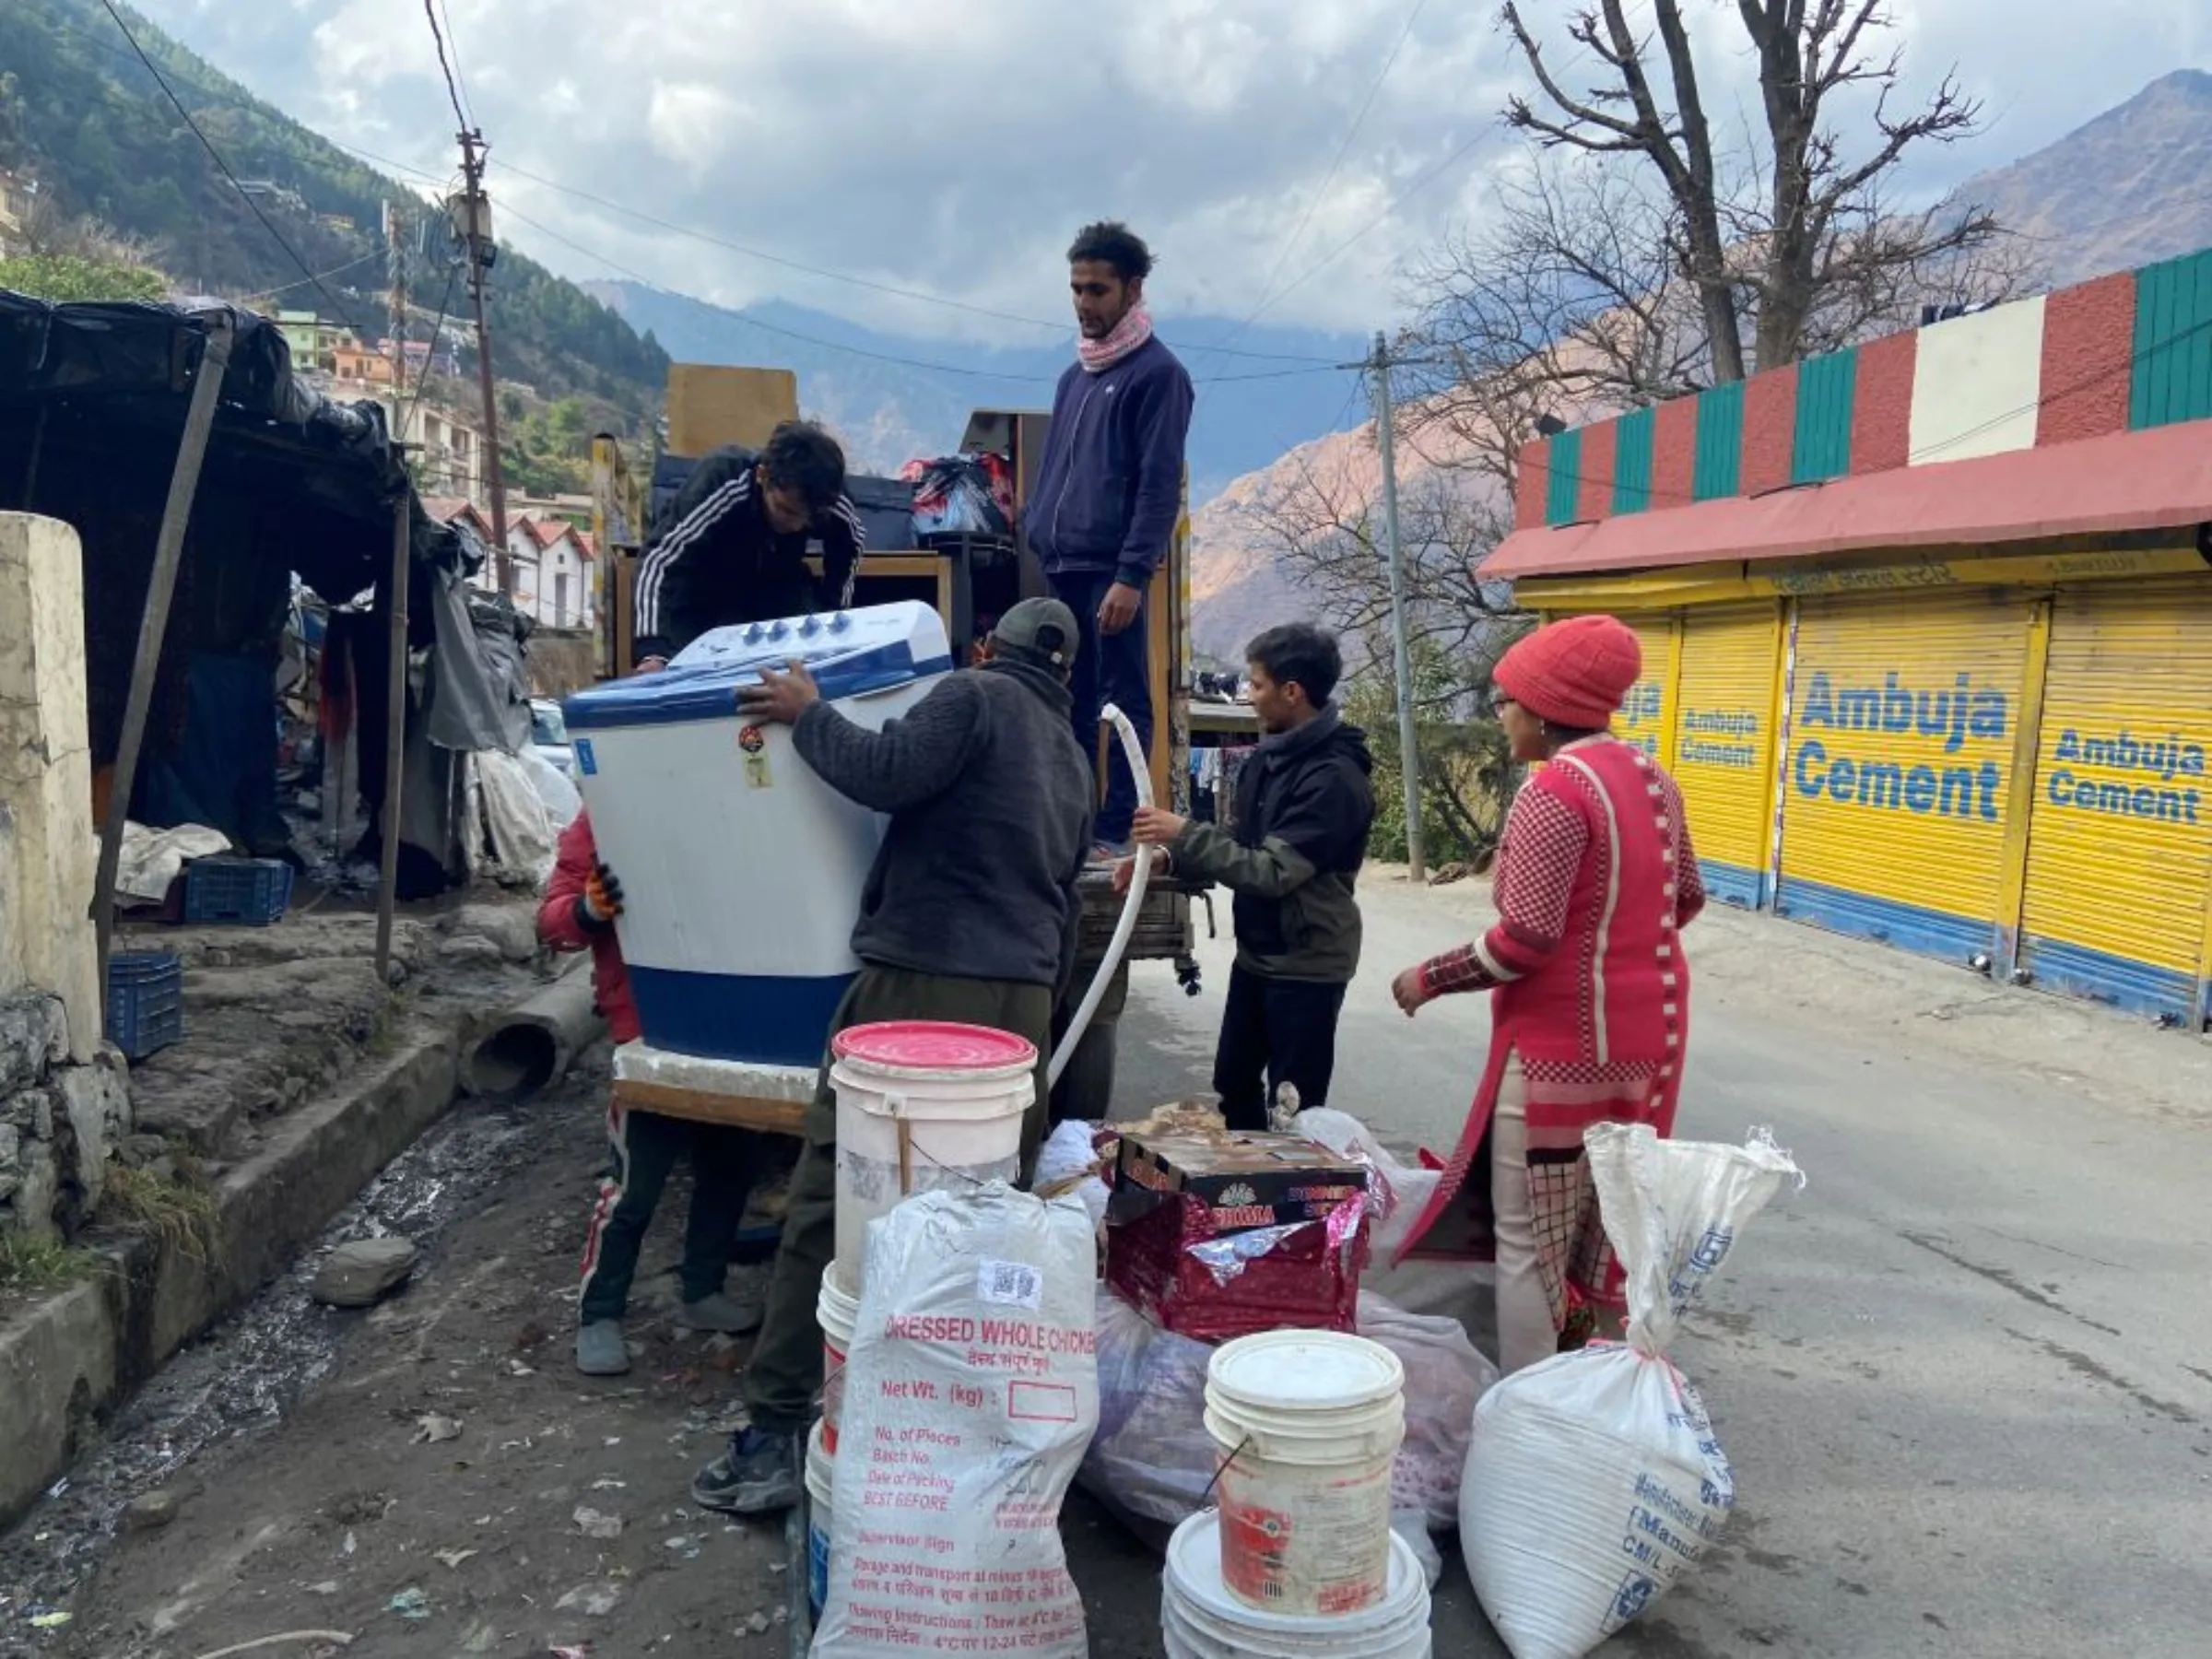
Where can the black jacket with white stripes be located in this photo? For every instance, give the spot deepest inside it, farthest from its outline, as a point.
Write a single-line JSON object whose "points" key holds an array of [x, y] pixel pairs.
{"points": [[720, 562]]}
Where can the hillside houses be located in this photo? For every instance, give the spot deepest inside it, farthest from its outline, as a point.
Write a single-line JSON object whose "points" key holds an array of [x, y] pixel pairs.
{"points": [[554, 563]]}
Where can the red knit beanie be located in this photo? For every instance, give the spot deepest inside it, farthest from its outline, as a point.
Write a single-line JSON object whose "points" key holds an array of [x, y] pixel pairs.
{"points": [[1575, 673]]}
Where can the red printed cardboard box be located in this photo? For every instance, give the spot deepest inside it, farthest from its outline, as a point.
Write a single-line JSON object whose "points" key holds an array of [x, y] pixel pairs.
{"points": [[1219, 1235]]}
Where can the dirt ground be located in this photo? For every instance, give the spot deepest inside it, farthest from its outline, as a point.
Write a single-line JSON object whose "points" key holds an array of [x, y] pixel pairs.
{"points": [[443, 1481]]}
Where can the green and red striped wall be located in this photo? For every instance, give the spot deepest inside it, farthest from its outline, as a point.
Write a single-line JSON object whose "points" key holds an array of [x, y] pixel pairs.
{"points": [[2123, 353]]}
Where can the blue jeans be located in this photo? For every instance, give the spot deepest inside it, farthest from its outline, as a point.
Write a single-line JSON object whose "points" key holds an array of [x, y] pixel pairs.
{"points": [[1109, 668]]}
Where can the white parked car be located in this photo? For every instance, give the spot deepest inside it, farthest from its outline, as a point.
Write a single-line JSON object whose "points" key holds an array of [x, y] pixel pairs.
{"points": [[549, 735]]}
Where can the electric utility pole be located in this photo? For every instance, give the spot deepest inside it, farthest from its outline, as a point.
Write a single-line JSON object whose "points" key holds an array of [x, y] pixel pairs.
{"points": [[395, 285], [1409, 763], [472, 227]]}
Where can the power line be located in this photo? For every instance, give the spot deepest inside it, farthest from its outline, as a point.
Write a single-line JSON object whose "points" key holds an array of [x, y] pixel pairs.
{"points": [[919, 294], [409, 169], [224, 167], [1344, 148], [750, 322], [288, 287], [422, 380], [452, 89], [460, 79], [1369, 229], [862, 351]]}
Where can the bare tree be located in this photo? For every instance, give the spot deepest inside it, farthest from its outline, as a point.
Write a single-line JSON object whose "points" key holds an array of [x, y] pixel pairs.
{"points": [[48, 230], [1326, 526], [1795, 228]]}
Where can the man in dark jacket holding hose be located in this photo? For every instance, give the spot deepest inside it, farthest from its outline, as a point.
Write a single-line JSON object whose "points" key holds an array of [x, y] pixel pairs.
{"points": [[969, 915], [1304, 807]]}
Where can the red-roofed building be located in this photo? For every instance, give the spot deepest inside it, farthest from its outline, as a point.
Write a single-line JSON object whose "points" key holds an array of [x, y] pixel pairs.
{"points": [[554, 570]]}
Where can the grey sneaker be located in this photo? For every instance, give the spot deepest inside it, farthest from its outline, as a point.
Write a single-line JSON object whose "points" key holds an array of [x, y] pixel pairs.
{"points": [[600, 1351], [757, 1475], [730, 1315]]}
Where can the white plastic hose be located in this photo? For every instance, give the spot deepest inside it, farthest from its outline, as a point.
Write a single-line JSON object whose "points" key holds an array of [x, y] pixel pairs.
{"points": [[1128, 924]]}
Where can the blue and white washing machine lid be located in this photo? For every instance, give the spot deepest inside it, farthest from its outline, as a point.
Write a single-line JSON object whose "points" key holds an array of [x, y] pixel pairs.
{"points": [[850, 653]]}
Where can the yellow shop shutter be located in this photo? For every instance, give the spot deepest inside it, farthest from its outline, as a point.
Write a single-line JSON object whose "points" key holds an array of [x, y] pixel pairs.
{"points": [[1904, 712], [2120, 837], [1647, 718], [1724, 747]]}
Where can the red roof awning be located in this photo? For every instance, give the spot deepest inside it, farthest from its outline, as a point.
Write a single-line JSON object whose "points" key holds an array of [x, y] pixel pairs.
{"points": [[2150, 481]]}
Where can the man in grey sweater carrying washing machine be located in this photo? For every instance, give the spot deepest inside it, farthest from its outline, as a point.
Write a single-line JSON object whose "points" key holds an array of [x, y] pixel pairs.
{"points": [[969, 915]]}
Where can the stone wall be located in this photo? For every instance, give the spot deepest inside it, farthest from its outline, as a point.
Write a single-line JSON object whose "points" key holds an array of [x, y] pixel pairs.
{"points": [[64, 1095], [561, 661], [60, 1122]]}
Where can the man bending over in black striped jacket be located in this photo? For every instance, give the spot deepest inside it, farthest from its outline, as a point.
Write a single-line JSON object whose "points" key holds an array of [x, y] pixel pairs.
{"points": [[734, 550]]}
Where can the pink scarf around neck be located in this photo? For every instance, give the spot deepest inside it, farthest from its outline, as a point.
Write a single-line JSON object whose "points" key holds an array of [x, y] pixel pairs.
{"points": [[1131, 331]]}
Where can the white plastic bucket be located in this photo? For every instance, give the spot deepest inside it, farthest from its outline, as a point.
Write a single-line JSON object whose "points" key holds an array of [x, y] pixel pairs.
{"points": [[838, 1312], [1308, 1423], [820, 1479], [922, 1105], [1200, 1619]]}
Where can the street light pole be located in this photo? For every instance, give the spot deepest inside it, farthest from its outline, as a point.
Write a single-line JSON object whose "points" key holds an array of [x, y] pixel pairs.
{"points": [[1409, 764]]}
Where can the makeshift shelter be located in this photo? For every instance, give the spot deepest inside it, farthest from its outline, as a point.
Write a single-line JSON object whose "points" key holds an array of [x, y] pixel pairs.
{"points": [[94, 400]]}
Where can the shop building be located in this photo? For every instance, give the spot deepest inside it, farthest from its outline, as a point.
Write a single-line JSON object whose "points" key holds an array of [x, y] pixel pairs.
{"points": [[1927, 631]]}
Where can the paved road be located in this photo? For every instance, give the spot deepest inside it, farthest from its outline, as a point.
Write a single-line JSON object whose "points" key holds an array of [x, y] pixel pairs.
{"points": [[1965, 1377]]}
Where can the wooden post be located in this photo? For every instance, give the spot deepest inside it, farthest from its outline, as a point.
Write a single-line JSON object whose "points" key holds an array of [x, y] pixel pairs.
{"points": [[153, 626], [396, 734]]}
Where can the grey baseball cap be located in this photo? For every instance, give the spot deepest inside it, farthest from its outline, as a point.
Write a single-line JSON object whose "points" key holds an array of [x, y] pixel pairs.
{"points": [[1043, 629]]}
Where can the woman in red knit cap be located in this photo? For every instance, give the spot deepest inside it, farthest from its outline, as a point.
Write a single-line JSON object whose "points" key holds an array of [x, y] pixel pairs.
{"points": [[1590, 993]]}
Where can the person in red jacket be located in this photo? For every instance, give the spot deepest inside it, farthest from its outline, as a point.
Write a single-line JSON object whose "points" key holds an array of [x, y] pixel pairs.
{"points": [[581, 902]]}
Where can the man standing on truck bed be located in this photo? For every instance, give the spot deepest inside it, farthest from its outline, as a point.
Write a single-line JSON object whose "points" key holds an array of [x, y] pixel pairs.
{"points": [[969, 915], [734, 550], [1109, 494]]}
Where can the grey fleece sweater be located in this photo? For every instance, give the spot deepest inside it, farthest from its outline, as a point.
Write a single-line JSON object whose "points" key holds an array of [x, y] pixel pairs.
{"points": [[990, 802]]}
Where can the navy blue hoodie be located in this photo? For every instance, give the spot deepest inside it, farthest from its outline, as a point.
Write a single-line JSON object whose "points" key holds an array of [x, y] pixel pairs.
{"points": [[1110, 489]]}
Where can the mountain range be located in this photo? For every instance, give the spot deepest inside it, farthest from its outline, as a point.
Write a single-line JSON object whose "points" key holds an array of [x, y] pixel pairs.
{"points": [[891, 399]]}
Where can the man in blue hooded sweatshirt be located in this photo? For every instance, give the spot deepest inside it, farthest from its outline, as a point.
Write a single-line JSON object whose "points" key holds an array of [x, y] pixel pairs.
{"points": [[1110, 493]]}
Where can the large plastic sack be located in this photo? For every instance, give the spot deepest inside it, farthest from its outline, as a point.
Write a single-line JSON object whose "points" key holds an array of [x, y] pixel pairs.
{"points": [[1396, 1192], [1593, 1480], [1153, 1458], [1068, 1162], [555, 792], [517, 826], [971, 1388]]}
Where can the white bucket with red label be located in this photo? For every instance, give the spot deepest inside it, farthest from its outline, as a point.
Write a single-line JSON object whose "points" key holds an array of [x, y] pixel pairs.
{"points": [[1308, 1424], [1200, 1619], [921, 1105], [838, 1312]]}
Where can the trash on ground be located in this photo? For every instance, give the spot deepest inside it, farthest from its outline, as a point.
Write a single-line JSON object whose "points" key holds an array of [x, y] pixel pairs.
{"points": [[594, 1524], [597, 1600], [410, 1603], [433, 1427]]}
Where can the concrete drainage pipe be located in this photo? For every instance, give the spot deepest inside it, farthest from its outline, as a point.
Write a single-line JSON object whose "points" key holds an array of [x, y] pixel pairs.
{"points": [[533, 1044]]}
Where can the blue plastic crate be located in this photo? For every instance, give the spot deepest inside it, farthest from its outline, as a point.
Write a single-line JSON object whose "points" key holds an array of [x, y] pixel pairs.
{"points": [[250, 892], [146, 1002]]}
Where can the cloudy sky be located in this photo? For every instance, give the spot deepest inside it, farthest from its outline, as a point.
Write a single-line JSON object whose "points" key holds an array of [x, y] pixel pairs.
{"points": [[951, 145]]}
